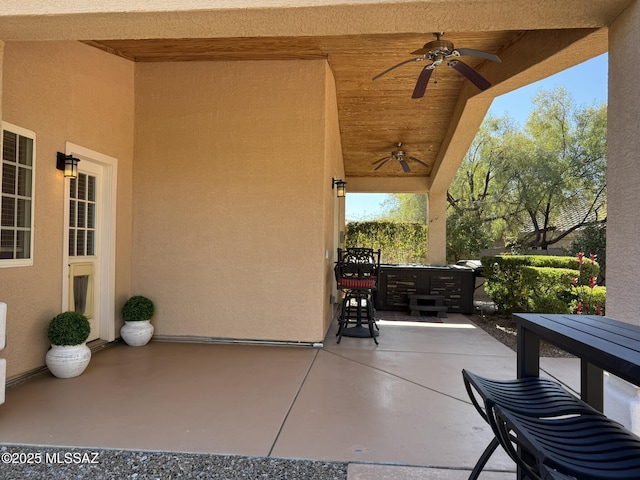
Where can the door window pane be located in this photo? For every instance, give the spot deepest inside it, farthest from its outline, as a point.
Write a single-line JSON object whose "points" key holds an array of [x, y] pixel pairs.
{"points": [[83, 219]]}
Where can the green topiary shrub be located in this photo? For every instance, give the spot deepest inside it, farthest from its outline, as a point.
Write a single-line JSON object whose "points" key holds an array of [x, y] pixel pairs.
{"points": [[69, 328], [137, 309]]}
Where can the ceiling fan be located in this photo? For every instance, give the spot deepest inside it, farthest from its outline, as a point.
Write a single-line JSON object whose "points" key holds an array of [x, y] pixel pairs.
{"points": [[401, 157], [442, 51]]}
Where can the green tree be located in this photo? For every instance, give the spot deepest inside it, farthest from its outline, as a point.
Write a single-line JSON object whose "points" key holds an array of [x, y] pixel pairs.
{"points": [[479, 204], [531, 186], [406, 207], [467, 235], [554, 169]]}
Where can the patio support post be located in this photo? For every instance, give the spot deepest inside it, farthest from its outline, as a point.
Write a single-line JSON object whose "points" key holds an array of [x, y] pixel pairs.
{"points": [[1, 78], [622, 400], [437, 228]]}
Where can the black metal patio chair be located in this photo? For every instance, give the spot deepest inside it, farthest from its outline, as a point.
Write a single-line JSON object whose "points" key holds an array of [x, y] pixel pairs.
{"points": [[531, 396], [576, 447], [357, 276]]}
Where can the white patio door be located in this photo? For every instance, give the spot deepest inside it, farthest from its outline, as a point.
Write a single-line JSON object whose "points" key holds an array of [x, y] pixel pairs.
{"points": [[89, 227]]}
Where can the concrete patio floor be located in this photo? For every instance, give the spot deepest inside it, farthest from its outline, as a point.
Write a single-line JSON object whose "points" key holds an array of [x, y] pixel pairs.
{"points": [[393, 411]]}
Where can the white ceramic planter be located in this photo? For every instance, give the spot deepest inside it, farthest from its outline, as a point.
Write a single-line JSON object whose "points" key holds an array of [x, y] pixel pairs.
{"points": [[68, 361], [137, 334]]}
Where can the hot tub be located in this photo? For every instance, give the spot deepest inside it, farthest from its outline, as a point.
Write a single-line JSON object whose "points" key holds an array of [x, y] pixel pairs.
{"points": [[396, 282]]}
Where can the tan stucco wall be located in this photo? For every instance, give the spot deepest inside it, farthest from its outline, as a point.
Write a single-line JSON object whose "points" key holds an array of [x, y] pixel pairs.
{"points": [[333, 206], [63, 91], [229, 187], [623, 174]]}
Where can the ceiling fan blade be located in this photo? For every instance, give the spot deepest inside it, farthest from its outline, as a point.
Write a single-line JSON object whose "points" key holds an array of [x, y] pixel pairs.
{"points": [[419, 161], [473, 76], [469, 52], [423, 80], [396, 66], [383, 158], [405, 166], [421, 51], [380, 166]]}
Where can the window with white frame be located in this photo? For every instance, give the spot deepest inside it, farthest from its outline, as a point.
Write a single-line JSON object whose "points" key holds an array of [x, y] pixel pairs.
{"points": [[16, 200]]}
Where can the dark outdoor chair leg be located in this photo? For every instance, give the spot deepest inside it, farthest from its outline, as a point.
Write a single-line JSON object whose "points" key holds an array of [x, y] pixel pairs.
{"points": [[342, 319], [371, 319], [484, 458]]}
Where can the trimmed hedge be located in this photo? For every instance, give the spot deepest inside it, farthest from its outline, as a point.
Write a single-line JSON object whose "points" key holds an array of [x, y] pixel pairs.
{"points": [[504, 282], [549, 289], [541, 283], [399, 242]]}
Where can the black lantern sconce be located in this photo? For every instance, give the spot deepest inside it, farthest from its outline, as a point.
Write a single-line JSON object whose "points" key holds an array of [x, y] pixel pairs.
{"points": [[69, 164], [340, 186]]}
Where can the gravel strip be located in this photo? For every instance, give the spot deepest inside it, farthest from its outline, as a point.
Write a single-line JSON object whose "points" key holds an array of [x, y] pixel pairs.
{"points": [[503, 329], [28, 462]]}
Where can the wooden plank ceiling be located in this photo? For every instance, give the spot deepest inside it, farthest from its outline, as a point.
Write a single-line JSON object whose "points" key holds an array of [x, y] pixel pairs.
{"points": [[374, 115]]}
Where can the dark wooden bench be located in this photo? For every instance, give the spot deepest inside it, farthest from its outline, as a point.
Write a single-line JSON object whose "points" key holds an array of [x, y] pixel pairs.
{"points": [[419, 303], [550, 433]]}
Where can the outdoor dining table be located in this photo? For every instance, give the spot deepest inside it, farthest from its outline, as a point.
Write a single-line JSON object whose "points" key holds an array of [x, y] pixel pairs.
{"points": [[601, 344]]}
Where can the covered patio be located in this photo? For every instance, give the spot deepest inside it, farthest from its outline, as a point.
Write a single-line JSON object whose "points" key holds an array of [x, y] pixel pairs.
{"points": [[216, 159], [398, 410]]}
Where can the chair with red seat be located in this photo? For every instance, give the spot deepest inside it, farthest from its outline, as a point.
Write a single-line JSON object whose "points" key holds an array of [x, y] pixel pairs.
{"points": [[357, 276]]}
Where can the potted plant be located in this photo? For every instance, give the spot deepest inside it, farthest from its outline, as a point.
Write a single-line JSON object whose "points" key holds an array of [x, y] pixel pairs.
{"points": [[137, 329], [69, 355]]}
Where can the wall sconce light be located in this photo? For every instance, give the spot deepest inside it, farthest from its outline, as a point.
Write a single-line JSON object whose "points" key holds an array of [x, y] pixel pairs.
{"points": [[69, 164], [341, 187]]}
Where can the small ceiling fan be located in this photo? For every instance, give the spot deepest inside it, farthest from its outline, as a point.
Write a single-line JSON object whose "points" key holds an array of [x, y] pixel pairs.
{"points": [[442, 51], [401, 157]]}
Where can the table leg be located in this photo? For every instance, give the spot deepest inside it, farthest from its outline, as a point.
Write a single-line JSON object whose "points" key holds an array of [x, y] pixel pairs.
{"points": [[592, 385], [528, 353]]}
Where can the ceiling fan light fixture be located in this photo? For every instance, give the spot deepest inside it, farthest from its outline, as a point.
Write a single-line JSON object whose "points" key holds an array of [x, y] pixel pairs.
{"points": [[443, 51], [401, 157]]}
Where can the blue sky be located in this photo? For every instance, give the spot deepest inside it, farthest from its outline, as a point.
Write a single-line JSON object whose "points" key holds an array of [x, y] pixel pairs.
{"points": [[587, 83]]}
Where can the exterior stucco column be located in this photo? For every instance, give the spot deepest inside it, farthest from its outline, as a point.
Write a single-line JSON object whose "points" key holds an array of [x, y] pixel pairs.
{"points": [[622, 401], [623, 172], [437, 229], [1, 70], [3, 306]]}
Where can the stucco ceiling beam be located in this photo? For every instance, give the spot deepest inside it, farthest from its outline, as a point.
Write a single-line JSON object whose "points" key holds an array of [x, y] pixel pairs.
{"points": [[386, 185], [102, 19]]}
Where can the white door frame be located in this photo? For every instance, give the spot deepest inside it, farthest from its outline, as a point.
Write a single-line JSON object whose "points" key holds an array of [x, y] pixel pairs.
{"points": [[107, 234]]}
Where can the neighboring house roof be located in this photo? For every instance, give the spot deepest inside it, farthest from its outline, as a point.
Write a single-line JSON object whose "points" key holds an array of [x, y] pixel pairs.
{"points": [[568, 218]]}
